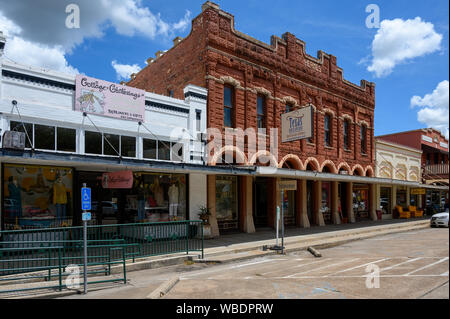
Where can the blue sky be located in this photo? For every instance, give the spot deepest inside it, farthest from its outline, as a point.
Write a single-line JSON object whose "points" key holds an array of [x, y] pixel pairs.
{"points": [[336, 27]]}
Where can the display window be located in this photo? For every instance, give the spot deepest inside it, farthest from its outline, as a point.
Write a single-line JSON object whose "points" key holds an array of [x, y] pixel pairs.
{"points": [[326, 202], [152, 198], [385, 200], [227, 202], [37, 197], [361, 201]]}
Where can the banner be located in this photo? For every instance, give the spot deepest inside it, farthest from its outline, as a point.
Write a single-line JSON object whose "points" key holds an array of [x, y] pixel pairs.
{"points": [[297, 125], [418, 191], [109, 99], [117, 180]]}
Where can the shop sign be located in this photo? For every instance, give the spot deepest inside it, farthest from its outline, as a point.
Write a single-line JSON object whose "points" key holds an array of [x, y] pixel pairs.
{"points": [[109, 99], [297, 125], [288, 185], [427, 139], [14, 140], [118, 180], [418, 191]]}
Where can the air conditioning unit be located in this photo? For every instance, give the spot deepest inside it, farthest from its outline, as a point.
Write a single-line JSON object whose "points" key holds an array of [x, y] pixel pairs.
{"points": [[14, 140]]}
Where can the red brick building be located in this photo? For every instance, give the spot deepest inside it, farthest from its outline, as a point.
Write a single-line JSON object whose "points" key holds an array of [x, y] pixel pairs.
{"points": [[250, 84]]}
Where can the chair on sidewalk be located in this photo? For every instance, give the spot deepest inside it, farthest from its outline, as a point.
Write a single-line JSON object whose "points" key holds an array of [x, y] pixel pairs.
{"points": [[415, 212], [402, 214]]}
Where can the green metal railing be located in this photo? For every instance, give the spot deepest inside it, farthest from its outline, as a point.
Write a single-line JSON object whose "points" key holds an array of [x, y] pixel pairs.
{"points": [[23, 251], [34, 267]]}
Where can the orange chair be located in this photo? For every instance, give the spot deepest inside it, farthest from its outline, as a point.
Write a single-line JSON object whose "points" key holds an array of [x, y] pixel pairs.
{"points": [[401, 213]]}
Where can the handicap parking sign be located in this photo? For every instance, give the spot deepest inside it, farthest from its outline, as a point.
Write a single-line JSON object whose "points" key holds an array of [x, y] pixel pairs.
{"points": [[86, 199]]}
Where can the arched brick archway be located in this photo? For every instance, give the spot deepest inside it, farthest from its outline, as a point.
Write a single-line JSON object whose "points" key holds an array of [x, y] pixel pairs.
{"points": [[330, 166], [358, 170], [345, 167], [313, 163], [369, 171], [237, 154], [292, 160], [265, 155]]}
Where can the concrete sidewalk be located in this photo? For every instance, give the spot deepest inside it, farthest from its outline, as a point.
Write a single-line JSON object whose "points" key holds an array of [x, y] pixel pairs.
{"points": [[238, 247]]}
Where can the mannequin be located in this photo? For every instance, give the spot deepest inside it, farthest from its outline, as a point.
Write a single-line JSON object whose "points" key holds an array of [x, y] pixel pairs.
{"points": [[158, 192], [16, 197], [173, 200], [60, 198], [141, 201]]}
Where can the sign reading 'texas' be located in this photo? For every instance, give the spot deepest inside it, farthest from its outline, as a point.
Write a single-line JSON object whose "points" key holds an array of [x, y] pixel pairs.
{"points": [[297, 125], [109, 99]]}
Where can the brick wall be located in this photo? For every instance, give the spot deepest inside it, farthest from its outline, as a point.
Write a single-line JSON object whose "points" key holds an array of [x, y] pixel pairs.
{"points": [[215, 55]]}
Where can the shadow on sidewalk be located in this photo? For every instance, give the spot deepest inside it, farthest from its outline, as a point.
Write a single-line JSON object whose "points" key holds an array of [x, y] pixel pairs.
{"points": [[229, 239]]}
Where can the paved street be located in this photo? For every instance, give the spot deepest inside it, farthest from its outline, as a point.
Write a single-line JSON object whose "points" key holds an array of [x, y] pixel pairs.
{"points": [[411, 265]]}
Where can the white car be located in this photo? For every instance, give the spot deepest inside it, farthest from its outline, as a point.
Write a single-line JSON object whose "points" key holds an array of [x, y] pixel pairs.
{"points": [[440, 219]]}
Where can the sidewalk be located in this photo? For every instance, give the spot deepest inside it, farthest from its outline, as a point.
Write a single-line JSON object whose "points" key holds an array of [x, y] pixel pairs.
{"points": [[238, 247]]}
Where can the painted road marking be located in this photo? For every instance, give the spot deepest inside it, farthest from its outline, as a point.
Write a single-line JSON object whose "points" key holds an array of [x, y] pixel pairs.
{"points": [[405, 262], [256, 263], [298, 266], [427, 266], [356, 267], [323, 267]]}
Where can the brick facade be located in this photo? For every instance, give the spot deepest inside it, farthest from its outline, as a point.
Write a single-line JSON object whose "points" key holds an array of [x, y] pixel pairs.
{"points": [[215, 54]]}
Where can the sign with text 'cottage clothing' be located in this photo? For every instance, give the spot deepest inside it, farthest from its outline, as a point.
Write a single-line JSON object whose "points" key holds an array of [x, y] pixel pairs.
{"points": [[117, 180], [297, 125], [109, 99]]}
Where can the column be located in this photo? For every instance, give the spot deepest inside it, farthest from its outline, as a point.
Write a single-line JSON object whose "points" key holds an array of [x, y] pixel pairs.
{"points": [[335, 203], [372, 202], [247, 224], [302, 208], [318, 217], [349, 203], [272, 206], [212, 205], [408, 196]]}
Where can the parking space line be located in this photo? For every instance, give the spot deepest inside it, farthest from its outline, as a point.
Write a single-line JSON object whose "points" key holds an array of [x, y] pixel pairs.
{"points": [[255, 263], [298, 266], [427, 266], [356, 267], [405, 262], [327, 266]]}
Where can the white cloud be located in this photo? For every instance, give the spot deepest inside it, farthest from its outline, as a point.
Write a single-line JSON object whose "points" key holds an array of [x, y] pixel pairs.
{"points": [[398, 41], [37, 34], [434, 110], [124, 71], [31, 53]]}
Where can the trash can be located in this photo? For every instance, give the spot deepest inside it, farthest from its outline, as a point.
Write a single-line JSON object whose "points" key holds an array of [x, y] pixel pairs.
{"points": [[379, 214]]}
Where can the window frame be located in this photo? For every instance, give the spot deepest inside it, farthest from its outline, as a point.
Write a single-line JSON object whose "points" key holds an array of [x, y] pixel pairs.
{"points": [[261, 117], [327, 130], [229, 107], [363, 139], [346, 134]]}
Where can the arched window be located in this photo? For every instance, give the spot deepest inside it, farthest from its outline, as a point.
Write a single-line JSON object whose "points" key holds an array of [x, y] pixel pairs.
{"points": [[327, 127], [228, 106], [363, 139]]}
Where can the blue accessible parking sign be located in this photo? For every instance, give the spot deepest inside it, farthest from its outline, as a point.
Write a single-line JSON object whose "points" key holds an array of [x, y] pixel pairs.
{"points": [[86, 198]]}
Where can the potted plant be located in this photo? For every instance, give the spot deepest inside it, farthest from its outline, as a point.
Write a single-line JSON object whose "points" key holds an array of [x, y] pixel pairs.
{"points": [[204, 214]]}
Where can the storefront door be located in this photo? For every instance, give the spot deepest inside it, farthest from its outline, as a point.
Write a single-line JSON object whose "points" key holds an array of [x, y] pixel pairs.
{"points": [[227, 203], [261, 202]]}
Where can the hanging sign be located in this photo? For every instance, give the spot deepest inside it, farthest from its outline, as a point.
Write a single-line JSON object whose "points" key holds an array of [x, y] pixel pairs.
{"points": [[297, 125], [288, 185], [117, 180]]}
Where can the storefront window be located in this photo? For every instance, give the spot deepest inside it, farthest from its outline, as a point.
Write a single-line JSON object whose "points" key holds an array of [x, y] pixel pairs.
{"points": [[93, 143], [326, 207], [37, 197], [111, 145], [385, 200], [401, 197], [128, 146], [66, 139], [44, 137], [149, 149], [289, 207], [227, 201], [164, 151], [361, 201]]}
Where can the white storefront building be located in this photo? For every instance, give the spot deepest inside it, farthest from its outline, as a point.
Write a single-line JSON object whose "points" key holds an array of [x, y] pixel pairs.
{"points": [[401, 163], [62, 148]]}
